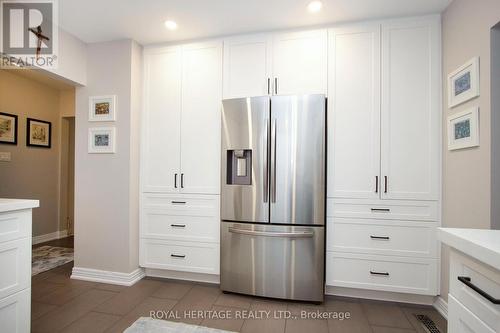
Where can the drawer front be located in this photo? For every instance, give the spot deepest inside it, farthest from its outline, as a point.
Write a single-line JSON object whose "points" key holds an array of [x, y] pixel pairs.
{"points": [[462, 320], [412, 239], [181, 205], [15, 263], [15, 312], [384, 209], [180, 256], [482, 276], [398, 274], [15, 225], [184, 228]]}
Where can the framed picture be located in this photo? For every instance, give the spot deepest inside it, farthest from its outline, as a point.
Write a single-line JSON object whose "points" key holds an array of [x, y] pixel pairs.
{"points": [[102, 108], [101, 140], [8, 128], [463, 83], [38, 133], [463, 129]]}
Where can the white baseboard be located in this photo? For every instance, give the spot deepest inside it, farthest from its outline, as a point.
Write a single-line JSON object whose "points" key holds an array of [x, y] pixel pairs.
{"points": [[441, 306], [380, 295], [96, 275], [48, 237], [186, 276]]}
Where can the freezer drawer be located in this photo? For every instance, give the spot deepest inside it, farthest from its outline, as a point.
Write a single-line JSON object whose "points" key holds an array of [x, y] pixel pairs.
{"points": [[273, 261]]}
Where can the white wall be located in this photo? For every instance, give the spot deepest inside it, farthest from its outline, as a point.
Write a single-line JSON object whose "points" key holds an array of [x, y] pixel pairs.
{"points": [[106, 193], [467, 173]]}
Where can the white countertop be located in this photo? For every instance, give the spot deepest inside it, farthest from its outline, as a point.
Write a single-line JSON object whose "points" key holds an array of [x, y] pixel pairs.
{"points": [[7, 205], [481, 244]]}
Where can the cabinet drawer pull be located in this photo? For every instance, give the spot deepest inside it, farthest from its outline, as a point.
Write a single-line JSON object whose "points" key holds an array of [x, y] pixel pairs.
{"points": [[178, 225], [381, 210], [178, 202], [380, 237], [178, 255], [379, 273], [467, 281]]}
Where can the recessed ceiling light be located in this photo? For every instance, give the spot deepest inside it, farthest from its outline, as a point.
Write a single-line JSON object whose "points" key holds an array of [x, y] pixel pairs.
{"points": [[314, 6], [170, 25]]}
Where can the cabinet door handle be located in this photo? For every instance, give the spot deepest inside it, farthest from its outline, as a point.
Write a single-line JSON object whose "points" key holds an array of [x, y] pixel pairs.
{"points": [[376, 184], [178, 202], [182, 180], [268, 86], [380, 210], [175, 180], [385, 181], [178, 225], [380, 237], [379, 273], [467, 281], [178, 255], [276, 86]]}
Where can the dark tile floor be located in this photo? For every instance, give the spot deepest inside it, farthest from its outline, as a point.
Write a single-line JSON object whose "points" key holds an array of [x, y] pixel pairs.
{"points": [[60, 304]]}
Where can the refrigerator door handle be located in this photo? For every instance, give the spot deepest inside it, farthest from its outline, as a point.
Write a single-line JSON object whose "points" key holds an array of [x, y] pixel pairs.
{"points": [[273, 161], [302, 234], [266, 165]]}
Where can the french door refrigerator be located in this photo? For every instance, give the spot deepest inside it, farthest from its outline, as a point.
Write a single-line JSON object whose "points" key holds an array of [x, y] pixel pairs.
{"points": [[273, 196]]}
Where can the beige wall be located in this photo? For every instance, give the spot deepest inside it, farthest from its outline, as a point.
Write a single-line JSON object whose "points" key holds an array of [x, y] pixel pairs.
{"points": [[33, 172], [467, 173], [106, 190]]}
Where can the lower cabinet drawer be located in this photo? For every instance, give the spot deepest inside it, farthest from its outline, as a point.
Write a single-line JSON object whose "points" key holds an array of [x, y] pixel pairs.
{"points": [[479, 275], [412, 239], [181, 204], [462, 320], [397, 274], [15, 312], [193, 257], [15, 225], [15, 261]]}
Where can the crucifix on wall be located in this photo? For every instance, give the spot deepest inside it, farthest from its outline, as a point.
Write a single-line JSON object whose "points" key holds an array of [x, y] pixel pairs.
{"points": [[40, 38]]}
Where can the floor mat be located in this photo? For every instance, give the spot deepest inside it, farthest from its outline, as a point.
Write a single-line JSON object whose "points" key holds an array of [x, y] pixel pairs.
{"points": [[149, 325], [48, 257]]}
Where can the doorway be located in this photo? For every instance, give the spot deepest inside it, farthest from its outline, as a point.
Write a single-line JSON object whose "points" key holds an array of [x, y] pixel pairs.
{"points": [[67, 189]]}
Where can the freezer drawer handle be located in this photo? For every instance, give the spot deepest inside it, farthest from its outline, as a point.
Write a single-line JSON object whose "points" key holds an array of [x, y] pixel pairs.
{"points": [[380, 237], [178, 256], [178, 225], [381, 210], [272, 234], [379, 273], [467, 281]]}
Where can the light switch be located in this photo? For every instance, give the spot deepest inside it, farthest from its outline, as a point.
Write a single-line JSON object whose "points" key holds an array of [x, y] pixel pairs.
{"points": [[5, 156]]}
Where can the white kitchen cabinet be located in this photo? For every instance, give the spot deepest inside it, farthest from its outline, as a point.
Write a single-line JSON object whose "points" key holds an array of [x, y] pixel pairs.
{"points": [[276, 64], [162, 119], [411, 103], [354, 112], [300, 62], [247, 66], [200, 123], [181, 131]]}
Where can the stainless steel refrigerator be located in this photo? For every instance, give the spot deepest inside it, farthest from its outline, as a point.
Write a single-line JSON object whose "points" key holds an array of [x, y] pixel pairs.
{"points": [[273, 196]]}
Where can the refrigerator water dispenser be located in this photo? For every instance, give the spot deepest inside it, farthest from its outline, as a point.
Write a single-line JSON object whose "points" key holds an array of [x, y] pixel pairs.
{"points": [[239, 167]]}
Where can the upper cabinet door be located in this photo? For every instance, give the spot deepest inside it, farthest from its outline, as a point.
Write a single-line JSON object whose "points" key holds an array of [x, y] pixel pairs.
{"points": [[300, 63], [411, 85], [247, 66], [354, 112], [161, 122], [201, 116]]}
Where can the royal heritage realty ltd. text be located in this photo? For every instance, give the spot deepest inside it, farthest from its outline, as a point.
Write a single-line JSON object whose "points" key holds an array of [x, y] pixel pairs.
{"points": [[248, 314]]}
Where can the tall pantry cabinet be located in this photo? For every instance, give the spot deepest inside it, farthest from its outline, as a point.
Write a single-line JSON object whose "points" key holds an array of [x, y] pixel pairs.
{"points": [[384, 156], [180, 170]]}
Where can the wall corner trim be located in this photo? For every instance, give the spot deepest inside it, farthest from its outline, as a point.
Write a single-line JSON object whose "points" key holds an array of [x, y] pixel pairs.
{"points": [[48, 237], [441, 306], [96, 275]]}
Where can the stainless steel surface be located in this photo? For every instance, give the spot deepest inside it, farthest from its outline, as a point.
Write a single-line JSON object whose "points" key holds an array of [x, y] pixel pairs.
{"points": [[298, 160], [255, 263], [244, 126]]}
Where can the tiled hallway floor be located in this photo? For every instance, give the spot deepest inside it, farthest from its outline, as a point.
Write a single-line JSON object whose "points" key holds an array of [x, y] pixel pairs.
{"points": [[60, 304]]}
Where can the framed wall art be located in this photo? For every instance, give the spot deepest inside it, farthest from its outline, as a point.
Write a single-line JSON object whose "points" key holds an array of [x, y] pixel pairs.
{"points": [[463, 129], [101, 140], [38, 133], [463, 83], [8, 128], [102, 108]]}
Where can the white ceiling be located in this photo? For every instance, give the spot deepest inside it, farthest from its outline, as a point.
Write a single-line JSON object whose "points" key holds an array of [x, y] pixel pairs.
{"points": [[142, 20]]}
